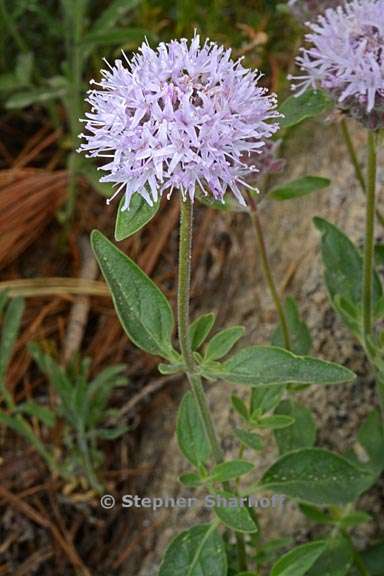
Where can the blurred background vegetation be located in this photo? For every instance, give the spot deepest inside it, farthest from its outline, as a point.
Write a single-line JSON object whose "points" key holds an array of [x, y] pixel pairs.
{"points": [[61, 347]]}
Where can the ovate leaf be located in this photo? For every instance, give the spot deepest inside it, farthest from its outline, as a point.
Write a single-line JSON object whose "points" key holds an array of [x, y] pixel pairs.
{"points": [[198, 551], [371, 437], [223, 342], [200, 328], [373, 559], [262, 365], [128, 222], [308, 105], [235, 516], [143, 310], [249, 439], [300, 434], [317, 476], [298, 561], [343, 265], [300, 187], [336, 559], [190, 432], [230, 470]]}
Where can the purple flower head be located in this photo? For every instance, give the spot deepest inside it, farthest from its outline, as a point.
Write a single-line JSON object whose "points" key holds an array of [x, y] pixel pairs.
{"points": [[346, 58], [304, 9], [179, 117]]}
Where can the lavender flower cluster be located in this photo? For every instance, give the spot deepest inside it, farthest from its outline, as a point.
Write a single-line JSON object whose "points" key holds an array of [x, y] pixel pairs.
{"points": [[345, 57], [179, 117]]}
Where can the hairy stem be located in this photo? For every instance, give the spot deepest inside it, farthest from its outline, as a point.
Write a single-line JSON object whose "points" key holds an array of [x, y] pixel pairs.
{"points": [[183, 297], [368, 265], [268, 273], [356, 164]]}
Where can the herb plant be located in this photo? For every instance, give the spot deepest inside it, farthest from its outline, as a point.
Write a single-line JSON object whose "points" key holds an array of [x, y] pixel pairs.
{"points": [[182, 120]]}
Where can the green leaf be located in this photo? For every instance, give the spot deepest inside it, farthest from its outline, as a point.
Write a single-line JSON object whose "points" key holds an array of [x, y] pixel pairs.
{"points": [[35, 96], [170, 368], [355, 519], [316, 514], [275, 422], [235, 515], [196, 552], [142, 308], [46, 415], [307, 105], [267, 552], [56, 376], [316, 476], [371, 437], [302, 433], [200, 328], [116, 10], [336, 560], [190, 479], [300, 187], [119, 36], [240, 407], [230, 470], [128, 222], [262, 365], [301, 341], [343, 265], [190, 432], [249, 439], [265, 398], [379, 254], [223, 342], [373, 559], [298, 561], [9, 332]]}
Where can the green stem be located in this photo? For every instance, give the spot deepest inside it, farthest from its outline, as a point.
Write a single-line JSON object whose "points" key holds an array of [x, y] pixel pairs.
{"points": [[268, 274], [183, 297], [184, 282], [369, 238], [352, 154], [356, 164]]}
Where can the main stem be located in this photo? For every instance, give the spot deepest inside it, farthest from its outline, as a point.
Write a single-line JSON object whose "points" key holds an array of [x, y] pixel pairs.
{"points": [[184, 281], [268, 273], [369, 245], [183, 295]]}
